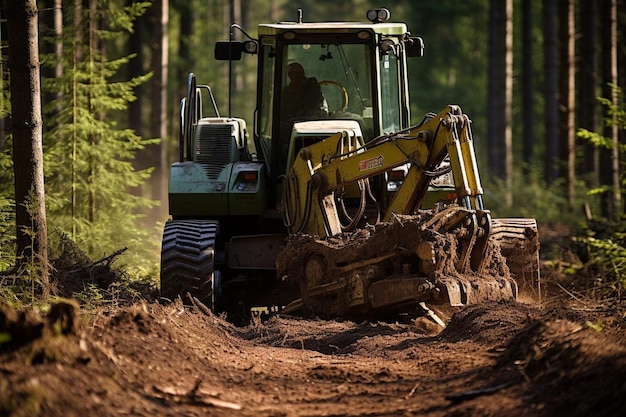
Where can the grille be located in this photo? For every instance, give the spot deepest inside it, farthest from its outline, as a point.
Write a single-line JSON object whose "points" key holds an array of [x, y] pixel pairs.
{"points": [[214, 148]]}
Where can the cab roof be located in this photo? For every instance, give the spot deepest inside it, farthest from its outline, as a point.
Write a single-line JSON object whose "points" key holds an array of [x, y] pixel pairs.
{"points": [[332, 27]]}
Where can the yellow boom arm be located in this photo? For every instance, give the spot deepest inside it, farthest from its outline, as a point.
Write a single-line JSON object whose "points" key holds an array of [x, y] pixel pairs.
{"points": [[328, 166]]}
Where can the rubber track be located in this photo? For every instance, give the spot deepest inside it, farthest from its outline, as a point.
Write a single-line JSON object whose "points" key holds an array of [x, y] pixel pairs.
{"points": [[187, 259]]}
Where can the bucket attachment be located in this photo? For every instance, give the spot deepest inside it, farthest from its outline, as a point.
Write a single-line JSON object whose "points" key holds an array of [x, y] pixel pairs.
{"points": [[428, 258]]}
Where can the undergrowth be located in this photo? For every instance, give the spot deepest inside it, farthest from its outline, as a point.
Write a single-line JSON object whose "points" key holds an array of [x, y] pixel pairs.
{"points": [[7, 233], [94, 283], [575, 228], [605, 237]]}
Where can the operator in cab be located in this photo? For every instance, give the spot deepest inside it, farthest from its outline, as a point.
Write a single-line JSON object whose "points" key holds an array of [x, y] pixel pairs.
{"points": [[302, 97]]}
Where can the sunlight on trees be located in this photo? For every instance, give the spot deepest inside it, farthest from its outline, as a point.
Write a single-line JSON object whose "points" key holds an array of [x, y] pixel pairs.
{"points": [[88, 156]]}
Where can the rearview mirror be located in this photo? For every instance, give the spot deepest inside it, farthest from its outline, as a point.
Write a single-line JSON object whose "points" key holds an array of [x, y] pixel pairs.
{"points": [[232, 50], [225, 50]]}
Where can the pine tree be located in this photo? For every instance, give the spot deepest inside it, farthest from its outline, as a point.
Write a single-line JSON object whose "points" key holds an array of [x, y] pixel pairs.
{"points": [[89, 158]]}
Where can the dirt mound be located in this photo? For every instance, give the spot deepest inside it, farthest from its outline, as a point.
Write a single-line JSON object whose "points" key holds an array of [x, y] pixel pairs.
{"points": [[570, 365], [493, 359], [35, 339], [488, 323]]}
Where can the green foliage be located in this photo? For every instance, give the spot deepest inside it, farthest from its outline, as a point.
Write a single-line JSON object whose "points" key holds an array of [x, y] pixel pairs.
{"points": [[120, 19], [24, 284], [533, 197], [35, 268], [605, 239], [7, 233], [123, 292], [610, 254], [94, 283], [88, 158], [88, 166], [5, 98], [6, 169], [7, 207], [615, 116]]}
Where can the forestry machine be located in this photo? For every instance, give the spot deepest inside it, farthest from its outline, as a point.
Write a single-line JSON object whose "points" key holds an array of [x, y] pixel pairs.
{"points": [[339, 206]]}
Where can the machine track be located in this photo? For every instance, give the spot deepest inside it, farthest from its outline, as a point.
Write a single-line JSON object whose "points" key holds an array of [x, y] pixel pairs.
{"points": [[187, 261]]}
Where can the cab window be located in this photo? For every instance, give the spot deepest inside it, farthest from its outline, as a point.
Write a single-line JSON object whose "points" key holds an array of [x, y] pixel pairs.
{"points": [[267, 99], [390, 93]]}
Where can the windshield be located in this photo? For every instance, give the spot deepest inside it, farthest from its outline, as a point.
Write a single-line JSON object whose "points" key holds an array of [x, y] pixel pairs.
{"points": [[327, 81], [321, 81]]}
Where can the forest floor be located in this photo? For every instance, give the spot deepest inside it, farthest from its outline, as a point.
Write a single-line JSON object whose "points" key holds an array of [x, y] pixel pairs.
{"points": [[565, 356]]}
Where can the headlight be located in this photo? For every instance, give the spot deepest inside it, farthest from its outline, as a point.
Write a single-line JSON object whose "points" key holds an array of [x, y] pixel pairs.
{"points": [[378, 15]]}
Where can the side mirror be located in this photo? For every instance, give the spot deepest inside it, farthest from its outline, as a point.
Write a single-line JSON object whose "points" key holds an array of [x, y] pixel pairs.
{"points": [[225, 50], [232, 50], [414, 46]]}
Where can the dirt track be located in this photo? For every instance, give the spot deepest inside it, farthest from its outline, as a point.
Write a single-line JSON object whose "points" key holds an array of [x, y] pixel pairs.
{"points": [[499, 359]]}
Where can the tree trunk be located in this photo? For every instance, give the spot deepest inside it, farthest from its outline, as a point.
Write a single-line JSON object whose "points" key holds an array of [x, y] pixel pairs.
{"points": [[136, 108], [93, 139], [620, 45], [528, 108], [3, 84], [32, 239], [508, 103], [77, 57], [500, 85], [551, 90], [237, 75], [135, 69], [159, 106], [621, 52], [58, 47], [609, 169], [587, 86], [184, 42], [567, 95], [614, 80]]}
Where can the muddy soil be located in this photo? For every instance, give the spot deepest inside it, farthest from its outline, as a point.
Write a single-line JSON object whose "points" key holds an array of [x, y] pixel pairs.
{"points": [[564, 357]]}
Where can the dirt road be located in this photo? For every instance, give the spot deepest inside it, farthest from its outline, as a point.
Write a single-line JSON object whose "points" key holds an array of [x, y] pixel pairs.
{"points": [[499, 359]]}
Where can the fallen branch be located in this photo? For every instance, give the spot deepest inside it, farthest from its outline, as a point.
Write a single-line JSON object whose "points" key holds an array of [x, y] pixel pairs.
{"points": [[194, 396], [199, 305], [410, 394], [469, 395], [108, 259], [569, 292]]}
